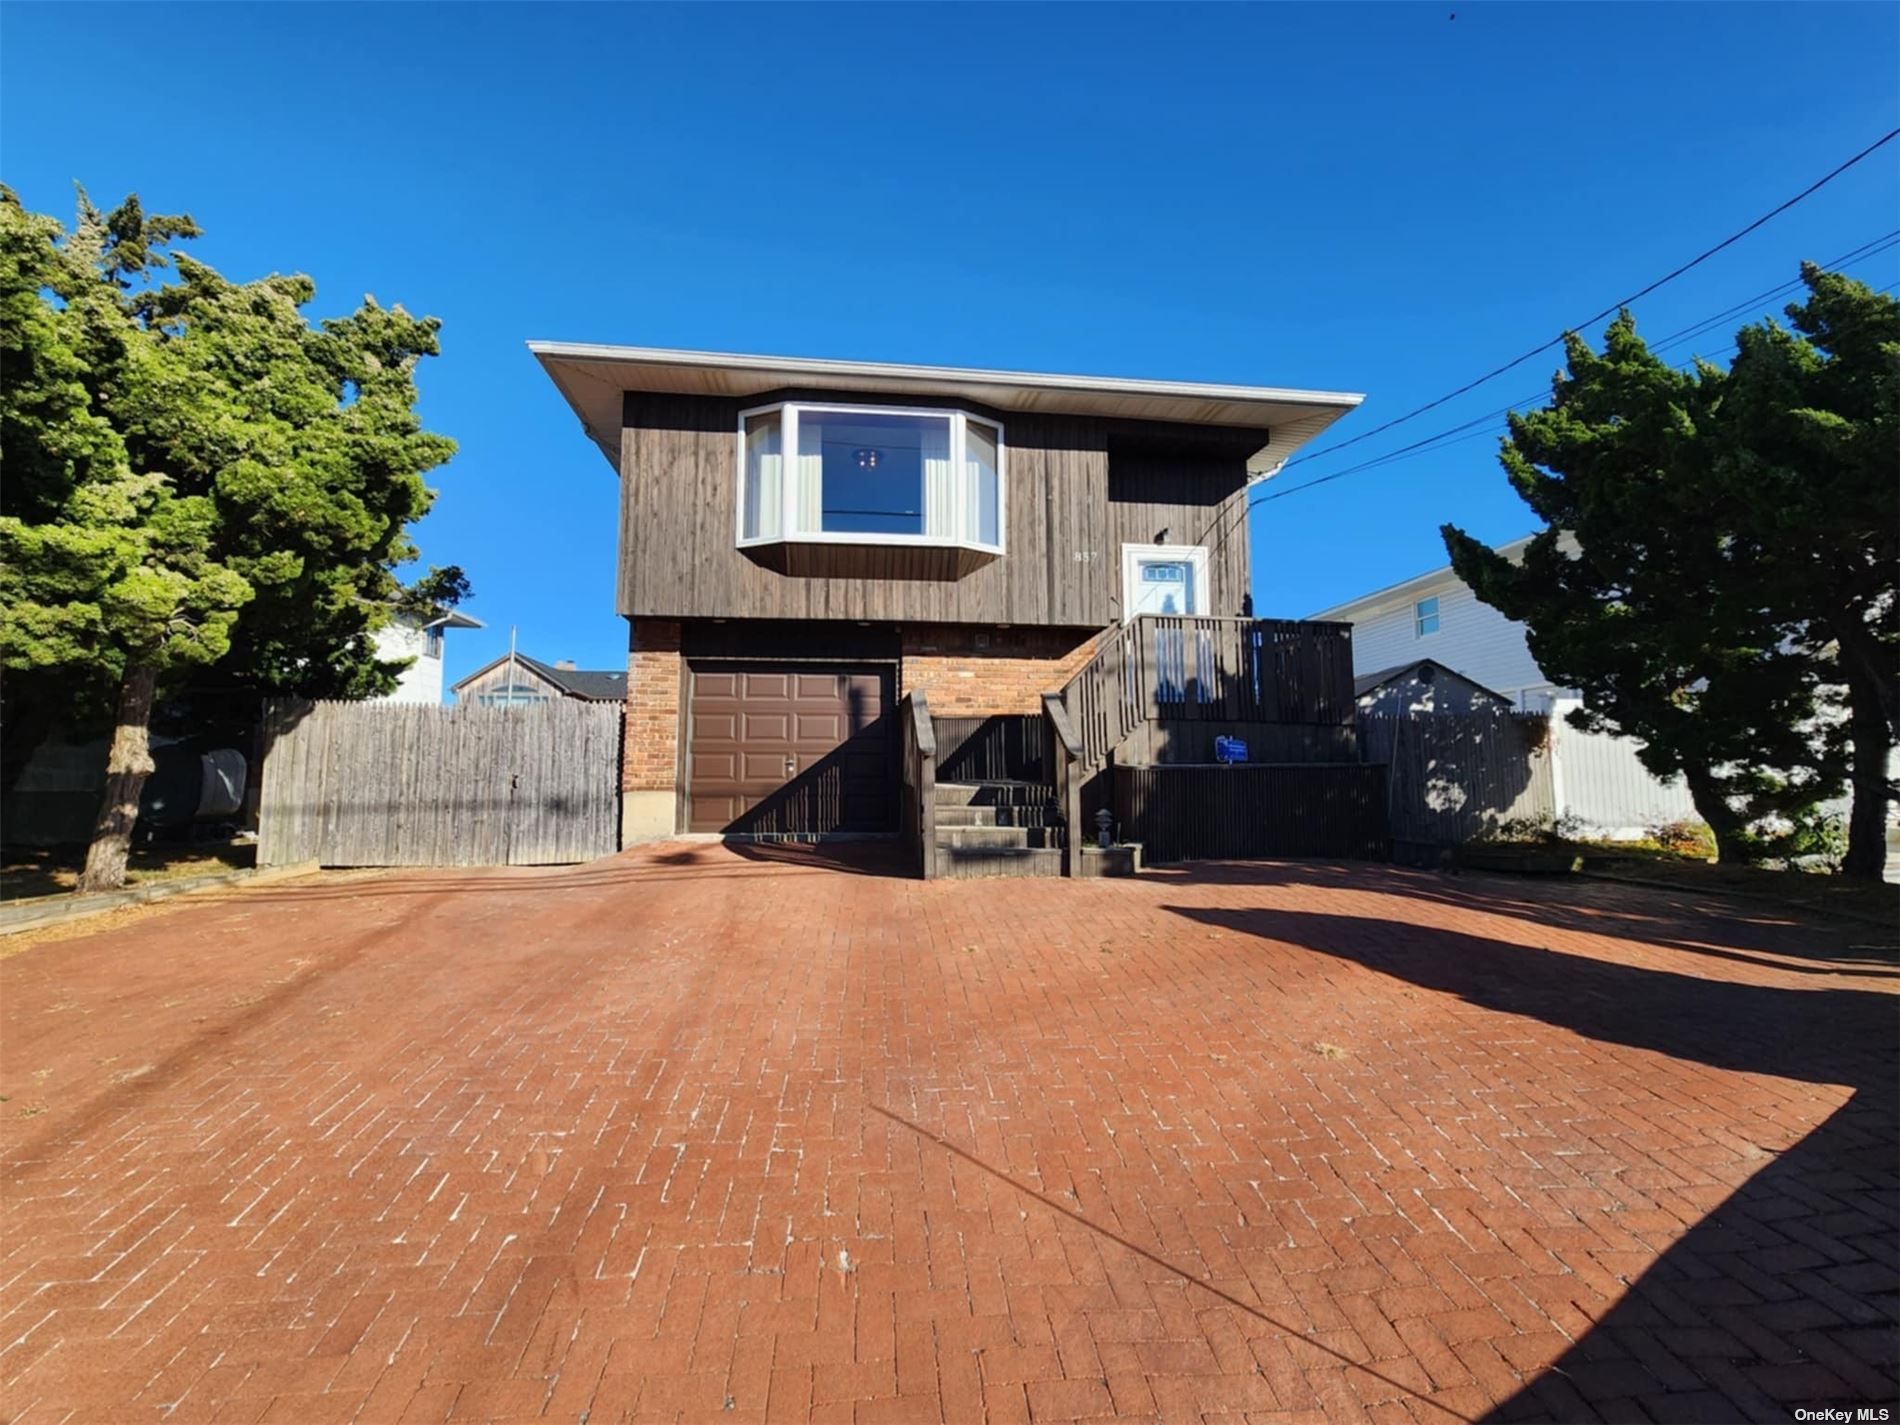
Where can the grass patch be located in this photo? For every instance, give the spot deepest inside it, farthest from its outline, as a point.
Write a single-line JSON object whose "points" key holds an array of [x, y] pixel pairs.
{"points": [[27, 874]]}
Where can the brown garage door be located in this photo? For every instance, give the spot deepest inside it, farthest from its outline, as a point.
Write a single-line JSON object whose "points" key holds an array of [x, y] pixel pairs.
{"points": [[791, 750]]}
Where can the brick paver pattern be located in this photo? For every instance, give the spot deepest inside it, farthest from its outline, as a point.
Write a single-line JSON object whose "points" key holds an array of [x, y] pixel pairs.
{"points": [[699, 1135]]}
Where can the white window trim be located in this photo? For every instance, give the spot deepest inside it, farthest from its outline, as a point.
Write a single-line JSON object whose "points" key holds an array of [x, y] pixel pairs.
{"points": [[1437, 613], [1191, 554], [788, 475]]}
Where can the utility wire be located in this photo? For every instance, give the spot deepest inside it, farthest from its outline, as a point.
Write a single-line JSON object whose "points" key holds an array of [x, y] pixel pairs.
{"points": [[1860, 254], [1615, 306], [1459, 434]]}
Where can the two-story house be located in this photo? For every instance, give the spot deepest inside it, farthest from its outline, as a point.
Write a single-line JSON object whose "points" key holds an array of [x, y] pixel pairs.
{"points": [[1436, 615], [803, 542]]}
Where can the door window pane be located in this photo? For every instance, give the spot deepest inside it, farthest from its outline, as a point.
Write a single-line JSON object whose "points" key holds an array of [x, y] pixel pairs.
{"points": [[1163, 587]]}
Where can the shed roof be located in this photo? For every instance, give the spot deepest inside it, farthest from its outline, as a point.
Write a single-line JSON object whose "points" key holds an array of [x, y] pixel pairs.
{"points": [[593, 377], [1366, 682]]}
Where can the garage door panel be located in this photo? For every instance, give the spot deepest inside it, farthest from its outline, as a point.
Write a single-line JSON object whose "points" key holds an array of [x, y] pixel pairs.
{"points": [[827, 727], [765, 769], [717, 726], [831, 725]]}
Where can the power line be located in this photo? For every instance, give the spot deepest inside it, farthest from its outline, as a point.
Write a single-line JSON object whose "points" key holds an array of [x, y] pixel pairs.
{"points": [[1860, 254], [1459, 434], [1615, 306]]}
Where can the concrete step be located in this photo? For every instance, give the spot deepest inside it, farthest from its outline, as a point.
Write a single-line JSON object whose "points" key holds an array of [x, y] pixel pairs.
{"points": [[951, 814], [975, 864], [1119, 860], [981, 836], [995, 794]]}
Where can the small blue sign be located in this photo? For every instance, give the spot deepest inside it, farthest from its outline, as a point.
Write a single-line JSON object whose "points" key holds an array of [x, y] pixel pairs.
{"points": [[1230, 749]]}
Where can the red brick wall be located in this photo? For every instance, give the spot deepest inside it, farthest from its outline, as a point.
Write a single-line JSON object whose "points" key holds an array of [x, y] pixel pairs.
{"points": [[653, 707], [1009, 675]]}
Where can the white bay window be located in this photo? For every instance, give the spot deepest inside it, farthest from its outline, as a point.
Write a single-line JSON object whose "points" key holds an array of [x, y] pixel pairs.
{"points": [[822, 473]]}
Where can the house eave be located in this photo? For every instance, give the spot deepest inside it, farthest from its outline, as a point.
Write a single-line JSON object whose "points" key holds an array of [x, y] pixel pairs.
{"points": [[592, 378]]}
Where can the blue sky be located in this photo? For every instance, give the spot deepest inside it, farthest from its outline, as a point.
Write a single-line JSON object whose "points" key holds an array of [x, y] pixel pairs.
{"points": [[1359, 197]]}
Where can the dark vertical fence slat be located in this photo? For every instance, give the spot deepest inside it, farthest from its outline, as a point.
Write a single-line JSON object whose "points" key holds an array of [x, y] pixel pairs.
{"points": [[1004, 748], [1236, 813]]}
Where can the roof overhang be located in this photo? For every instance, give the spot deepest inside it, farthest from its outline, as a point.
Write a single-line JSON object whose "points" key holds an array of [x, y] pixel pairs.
{"points": [[592, 378], [454, 619]]}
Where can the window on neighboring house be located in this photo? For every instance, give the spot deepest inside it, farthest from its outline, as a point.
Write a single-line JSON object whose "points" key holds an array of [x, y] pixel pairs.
{"points": [[432, 644], [1425, 616], [516, 692], [870, 475]]}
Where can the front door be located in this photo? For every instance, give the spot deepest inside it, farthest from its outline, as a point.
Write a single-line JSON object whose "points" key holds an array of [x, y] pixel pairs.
{"points": [[792, 750], [1165, 579]]}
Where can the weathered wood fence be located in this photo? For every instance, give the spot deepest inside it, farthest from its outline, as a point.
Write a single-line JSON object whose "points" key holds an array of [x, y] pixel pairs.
{"points": [[413, 784], [1453, 777]]}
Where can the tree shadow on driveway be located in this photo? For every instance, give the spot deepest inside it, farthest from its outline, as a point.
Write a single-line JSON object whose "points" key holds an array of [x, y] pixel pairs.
{"points": [[1786, 1295]]}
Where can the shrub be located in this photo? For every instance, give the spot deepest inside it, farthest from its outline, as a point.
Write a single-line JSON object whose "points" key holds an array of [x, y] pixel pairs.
{"points": [[1811, 836], [1685, 838]]}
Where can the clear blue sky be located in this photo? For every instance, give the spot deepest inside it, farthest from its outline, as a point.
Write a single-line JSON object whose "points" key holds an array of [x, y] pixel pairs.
{"points": [[1358, 197]]}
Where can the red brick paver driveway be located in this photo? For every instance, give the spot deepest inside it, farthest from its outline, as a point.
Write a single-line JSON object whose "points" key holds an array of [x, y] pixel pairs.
{"points": [[695, 1136]]}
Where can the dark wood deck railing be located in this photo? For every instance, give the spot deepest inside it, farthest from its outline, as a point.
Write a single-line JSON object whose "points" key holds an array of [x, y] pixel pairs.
{"points": [[917, 802], [1203, 670], [1065, 755], [1157, 669]]}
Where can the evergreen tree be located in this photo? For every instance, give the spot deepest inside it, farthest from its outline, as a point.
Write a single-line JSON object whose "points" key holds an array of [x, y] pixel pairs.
{"points": [[193, 475]]}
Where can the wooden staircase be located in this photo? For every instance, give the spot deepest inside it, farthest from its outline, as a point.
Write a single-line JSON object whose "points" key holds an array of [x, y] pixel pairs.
{"points": [[986, 829]]}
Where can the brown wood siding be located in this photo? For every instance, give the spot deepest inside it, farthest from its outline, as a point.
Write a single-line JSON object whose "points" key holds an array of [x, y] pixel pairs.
{"points": [[1198, 499], [1070, 507]]}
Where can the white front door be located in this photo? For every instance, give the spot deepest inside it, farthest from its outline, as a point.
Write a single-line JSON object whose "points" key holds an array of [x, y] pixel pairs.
{"points": [[1166, 579]]}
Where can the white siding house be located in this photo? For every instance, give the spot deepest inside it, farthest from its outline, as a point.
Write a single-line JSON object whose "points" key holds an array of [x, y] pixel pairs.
{"points": [[1598, 782], [1471, 638], [409, 637]]}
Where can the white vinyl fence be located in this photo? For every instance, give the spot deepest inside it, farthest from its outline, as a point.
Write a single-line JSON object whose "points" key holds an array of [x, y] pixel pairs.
{"points": [[1603, 788]]}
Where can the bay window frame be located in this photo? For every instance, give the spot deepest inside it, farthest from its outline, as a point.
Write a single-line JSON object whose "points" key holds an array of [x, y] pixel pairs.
{"points": [[790, 478]]}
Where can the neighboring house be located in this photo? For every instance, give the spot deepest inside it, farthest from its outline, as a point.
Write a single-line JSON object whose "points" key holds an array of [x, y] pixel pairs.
{"points": [[411, 636], [1599, 784], [515, 679], [1424, 685], [1437, 616], [803, 543]]}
